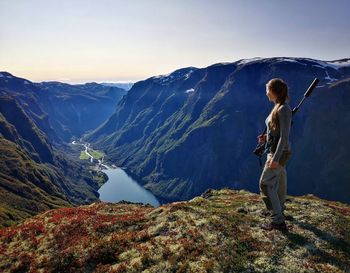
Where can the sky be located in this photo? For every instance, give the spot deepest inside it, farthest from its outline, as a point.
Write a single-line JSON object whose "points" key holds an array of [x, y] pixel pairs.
{"points": [[78, 41]]}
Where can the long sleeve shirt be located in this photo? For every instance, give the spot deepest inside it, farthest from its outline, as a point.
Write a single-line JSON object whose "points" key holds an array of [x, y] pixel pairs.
{"points": [[280, 137]]}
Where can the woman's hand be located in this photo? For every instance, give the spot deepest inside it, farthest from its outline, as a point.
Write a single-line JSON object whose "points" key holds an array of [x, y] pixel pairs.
{"points": [[261, 138], [273, 164]]}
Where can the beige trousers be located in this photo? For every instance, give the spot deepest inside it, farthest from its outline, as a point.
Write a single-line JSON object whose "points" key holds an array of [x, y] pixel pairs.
{"points": [[273, 186]]}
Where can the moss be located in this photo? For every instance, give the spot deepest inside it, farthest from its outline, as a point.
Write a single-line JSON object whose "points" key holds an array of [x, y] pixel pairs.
{"points": [[205, 234]]}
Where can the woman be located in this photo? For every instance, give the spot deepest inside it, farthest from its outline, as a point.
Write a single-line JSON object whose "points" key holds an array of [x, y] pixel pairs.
{"points": [[273, 180]]}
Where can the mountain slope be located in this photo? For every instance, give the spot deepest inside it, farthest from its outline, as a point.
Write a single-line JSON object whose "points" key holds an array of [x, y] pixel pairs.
{"points": [[216, 232], [194, 129], [75, 109], [62, 110], [37, 170], [23, 130], [323, 145], [35, 176], [26, 187]]}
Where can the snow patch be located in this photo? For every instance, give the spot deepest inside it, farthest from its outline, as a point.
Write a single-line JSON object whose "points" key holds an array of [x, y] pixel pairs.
{"points": [[331, 64], [291, 61], [325, 65], [175, 75], [317, 65], [246, 61], [339, 63], [189, 90], [188, 74], [329, 78]]}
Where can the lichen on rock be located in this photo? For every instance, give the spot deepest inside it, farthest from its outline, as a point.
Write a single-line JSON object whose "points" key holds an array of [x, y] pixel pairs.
{"points": [[216, 232]]}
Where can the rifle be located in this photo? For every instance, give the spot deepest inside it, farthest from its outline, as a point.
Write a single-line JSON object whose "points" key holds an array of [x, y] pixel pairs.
{"points": [[261, 148]]}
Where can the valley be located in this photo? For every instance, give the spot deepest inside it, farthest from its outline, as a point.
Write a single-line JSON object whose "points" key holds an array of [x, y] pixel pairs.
{"points": [[174, 135], [118, 185]]}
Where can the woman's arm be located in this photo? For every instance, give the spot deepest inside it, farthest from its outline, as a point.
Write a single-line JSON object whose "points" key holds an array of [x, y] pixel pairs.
{"points": [[285, 119]]}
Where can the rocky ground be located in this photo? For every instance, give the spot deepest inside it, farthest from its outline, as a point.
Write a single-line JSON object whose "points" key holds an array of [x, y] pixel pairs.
{"points": [[218, 231]]}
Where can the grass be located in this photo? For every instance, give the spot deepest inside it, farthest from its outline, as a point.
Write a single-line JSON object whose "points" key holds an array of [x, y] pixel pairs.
{"points": [[216, 232], [83, 155], [95, 153]]}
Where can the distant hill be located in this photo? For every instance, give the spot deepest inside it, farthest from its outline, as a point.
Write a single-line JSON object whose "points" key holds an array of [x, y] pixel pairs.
{"points": [[125, 85], [72, 110], [218, 231], [37, 171], [196, 128], [34, 175], [76, 109]]}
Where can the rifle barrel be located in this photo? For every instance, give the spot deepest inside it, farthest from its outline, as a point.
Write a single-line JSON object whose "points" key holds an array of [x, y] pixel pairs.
{"points": [[311, 87], [307, 94]]}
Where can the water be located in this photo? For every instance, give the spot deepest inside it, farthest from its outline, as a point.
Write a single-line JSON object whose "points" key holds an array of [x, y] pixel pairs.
{"points": [[120, 186]]}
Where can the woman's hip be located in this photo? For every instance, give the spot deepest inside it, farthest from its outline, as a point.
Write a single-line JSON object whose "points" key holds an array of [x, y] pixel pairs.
{"points": [[285, 156]]}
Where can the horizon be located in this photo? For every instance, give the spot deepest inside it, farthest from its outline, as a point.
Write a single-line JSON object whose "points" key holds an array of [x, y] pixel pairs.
{"points": [[113, 41], [133, 82]]}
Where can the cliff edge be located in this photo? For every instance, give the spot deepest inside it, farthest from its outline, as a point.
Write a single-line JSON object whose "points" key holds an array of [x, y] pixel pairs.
{"points": [[218, 231]]}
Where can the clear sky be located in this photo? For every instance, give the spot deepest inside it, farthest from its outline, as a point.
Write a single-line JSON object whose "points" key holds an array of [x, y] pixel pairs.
{"points": [[104, 40]]}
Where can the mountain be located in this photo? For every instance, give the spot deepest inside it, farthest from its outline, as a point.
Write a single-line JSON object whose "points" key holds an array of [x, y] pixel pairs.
{"points": [[124, 85], [70, 110], [218, 231], [26, 96], [20, 129], [38, 171], [195, 128], [76, 109], [34, 175]]}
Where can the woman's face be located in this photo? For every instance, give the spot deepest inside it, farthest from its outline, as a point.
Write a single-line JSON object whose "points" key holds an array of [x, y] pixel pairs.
{"points": [[270, 95]]}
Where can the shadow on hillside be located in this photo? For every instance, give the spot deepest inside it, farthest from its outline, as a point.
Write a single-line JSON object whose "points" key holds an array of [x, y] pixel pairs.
{"points": [[341, 260]]}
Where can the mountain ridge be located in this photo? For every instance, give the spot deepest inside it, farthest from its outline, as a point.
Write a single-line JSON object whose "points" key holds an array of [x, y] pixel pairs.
{"points": [[196, 128], [38, 170], [218, 231], [62, 110]]}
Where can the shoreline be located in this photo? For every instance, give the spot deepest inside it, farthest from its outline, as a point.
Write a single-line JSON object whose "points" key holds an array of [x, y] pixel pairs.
{"points": [[101, 166]]}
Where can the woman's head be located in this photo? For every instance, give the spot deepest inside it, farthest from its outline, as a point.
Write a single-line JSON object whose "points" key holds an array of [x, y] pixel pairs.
{"points": [[277, 91]]}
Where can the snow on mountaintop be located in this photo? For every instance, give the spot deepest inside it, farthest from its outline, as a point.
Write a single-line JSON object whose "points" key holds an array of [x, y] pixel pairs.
{"points": [[246, 61], [177, 74], [340, 63], [335, 64]]}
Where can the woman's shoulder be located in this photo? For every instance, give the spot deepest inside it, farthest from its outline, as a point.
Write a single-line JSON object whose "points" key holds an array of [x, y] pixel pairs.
{"points": [[285, 108]]}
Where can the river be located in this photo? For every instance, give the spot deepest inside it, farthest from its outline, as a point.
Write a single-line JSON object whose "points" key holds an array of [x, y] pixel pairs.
{"points": [[120, 186]]}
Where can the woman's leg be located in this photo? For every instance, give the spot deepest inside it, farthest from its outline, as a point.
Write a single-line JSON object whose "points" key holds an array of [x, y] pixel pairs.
{"points": [[282, 188], [263, 187], [272, 191], [265, 197], [269, 186], [282, 191]]}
